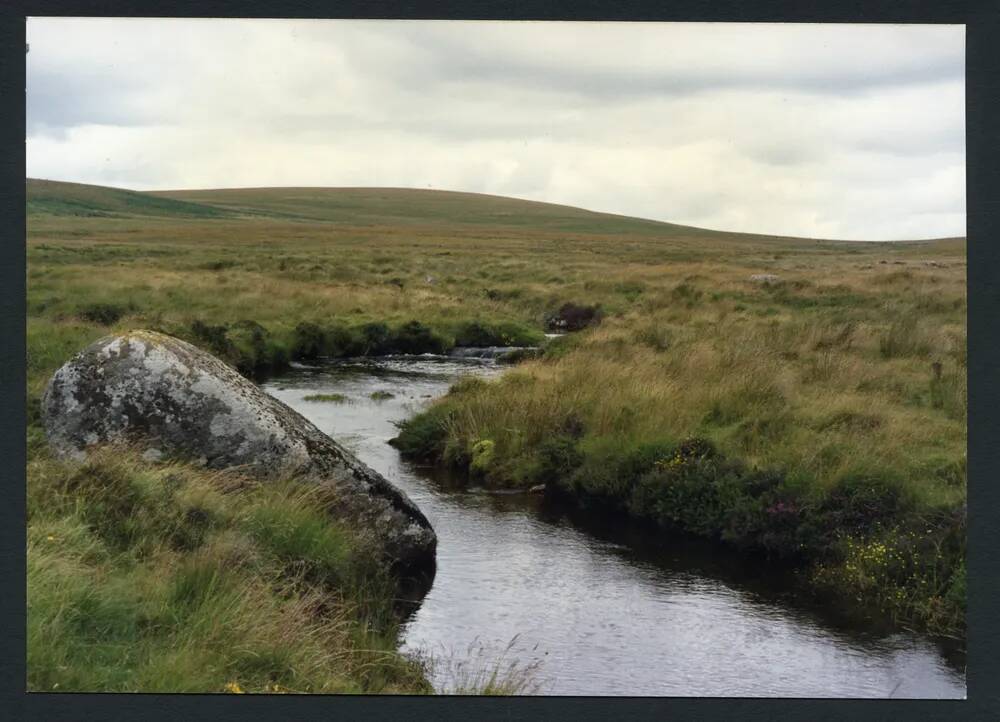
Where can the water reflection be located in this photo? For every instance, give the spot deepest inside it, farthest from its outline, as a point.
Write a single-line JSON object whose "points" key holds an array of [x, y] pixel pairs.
{"points": [[606, 608]]}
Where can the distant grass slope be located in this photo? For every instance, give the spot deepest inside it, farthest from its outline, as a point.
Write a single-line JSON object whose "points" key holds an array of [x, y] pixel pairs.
{"points": [[381, 207], [76, 199], [405, 206]]}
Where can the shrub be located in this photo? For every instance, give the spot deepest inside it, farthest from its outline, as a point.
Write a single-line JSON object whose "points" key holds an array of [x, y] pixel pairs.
{"points": [[557, 458], [423, 436], [104, 314], [245, 345], [341, 341], [377, 339], [476, 333], [912, 570], [309, 341], [414, 337], [859, 502], [252, 351], [609, 470], [481, 456]]}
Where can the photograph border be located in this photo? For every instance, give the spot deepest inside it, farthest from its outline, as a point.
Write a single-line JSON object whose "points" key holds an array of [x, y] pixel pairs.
{"points": [[982, 20]]}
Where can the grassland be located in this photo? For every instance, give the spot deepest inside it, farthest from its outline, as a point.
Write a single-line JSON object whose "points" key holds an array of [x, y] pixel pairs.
{"points": [[171, 579], [821, 418]]}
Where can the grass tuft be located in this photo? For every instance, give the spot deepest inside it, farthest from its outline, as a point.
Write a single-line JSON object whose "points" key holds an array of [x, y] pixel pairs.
{"points": [[170, 578]]}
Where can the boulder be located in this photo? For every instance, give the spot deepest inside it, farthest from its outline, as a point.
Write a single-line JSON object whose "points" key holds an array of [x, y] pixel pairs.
{"points": [[573, 317], [172, 399]]}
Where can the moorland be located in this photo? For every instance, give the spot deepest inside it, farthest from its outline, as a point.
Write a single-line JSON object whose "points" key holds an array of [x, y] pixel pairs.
{"points": [[800, 399]]}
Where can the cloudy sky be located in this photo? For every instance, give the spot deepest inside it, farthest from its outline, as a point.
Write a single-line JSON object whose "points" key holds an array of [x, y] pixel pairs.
{"points": [[833, 131]]}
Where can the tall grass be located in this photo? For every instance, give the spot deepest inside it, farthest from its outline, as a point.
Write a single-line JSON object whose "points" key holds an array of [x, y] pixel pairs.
{"points": [[827, 399], [174, 579], [481, 671]]}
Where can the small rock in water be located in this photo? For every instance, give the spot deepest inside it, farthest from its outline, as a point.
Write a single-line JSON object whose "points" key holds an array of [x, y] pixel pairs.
{"points": [[175, 399]]}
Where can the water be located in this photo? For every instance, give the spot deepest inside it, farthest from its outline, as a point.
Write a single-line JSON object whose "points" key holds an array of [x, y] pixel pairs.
{"points": [[599, 606]]}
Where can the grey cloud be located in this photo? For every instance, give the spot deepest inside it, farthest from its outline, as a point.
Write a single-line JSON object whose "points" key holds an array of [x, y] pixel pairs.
{"points": [[610, 85], [57, 101], [452, 57]]}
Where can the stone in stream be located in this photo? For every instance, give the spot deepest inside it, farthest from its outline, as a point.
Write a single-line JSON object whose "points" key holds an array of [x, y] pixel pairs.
{"points": [[171, 398]]}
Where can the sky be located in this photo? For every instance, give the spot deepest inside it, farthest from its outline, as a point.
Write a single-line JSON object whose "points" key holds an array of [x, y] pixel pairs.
{"points": [[824, 131]]}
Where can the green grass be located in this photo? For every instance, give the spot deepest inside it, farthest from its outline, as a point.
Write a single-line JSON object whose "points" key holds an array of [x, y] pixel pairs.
{"points": [[819, 393], [174, 579], [402, 207], [86, 201], [331, 398]]}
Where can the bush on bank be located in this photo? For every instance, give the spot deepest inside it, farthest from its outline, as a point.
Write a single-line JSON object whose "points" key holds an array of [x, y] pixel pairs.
{"points": [[257, 352], [863, 538]]}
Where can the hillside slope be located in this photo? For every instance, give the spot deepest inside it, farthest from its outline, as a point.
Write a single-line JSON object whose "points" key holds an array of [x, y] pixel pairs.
{"points": [[77, 199], [404, 206], [399, 208]]}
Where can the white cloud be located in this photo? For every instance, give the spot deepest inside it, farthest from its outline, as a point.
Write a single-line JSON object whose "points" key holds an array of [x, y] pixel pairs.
{"points": [[836, 131]]}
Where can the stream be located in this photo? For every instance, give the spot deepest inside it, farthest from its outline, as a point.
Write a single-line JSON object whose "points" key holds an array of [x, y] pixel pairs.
{"points": [[594, 606]]}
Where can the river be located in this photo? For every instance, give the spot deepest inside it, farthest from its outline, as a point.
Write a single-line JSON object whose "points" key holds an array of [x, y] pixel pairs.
{"points": [[596, 607]]}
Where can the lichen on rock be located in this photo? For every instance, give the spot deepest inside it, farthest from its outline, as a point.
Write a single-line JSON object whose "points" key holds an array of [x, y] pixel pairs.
{"points": [[172, 399]]}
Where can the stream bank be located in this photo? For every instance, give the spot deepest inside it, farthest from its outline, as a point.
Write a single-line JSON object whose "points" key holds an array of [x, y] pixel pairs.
{"points": [[602, 608]]}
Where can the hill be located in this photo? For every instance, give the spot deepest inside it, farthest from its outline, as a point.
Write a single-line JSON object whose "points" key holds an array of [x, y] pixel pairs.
{"points": [[77, 199], [381, 207], [411, 206]]}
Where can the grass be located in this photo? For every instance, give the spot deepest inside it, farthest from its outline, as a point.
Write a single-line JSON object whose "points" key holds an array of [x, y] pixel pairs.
{"points": [[331, 398], [173, 579], [482, 672], [836, 398], [823, 398]]}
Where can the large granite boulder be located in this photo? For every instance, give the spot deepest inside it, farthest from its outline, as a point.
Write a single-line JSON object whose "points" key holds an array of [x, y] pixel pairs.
{"points": [[175, 400]]}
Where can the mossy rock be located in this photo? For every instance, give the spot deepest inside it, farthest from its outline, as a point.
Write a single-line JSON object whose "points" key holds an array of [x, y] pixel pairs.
{"points": [[173, 399]]}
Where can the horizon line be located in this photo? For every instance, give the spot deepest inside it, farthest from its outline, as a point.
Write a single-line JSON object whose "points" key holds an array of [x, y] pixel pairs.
{"points": [[516, 198]]}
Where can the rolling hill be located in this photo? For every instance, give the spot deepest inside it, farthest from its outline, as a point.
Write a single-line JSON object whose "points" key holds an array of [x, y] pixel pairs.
{"points": [[396, 207], [77, 199]]}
